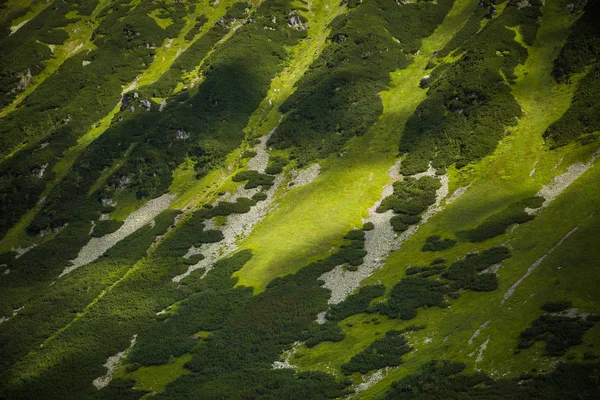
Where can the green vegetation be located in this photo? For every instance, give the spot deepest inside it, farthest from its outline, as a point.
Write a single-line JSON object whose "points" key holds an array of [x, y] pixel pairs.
{"points": [[384, 352], [102, 228], [254, 179], [560, 332], [355, 303], [444, 379], [418, 291], [468, 104], [579, 55], [499, 222], [129, 100], [337, 97], [583, 44], [276, 165], [411, 197], [436, 243]]}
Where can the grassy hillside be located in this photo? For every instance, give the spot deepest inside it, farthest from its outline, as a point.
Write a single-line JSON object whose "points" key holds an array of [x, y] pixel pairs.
{"points": [[289, 199]]}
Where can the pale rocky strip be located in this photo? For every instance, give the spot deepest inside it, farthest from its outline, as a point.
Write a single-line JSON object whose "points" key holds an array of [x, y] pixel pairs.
{"points": [[286, 358], [304, 176], [380, 242], [137, 219], [478, 331], [261, 159], [15, 312], [112, 363], [237, 226], [456, 194], [534, 266], [561, 182], [371, 380], [20, 251], [482, 348]]}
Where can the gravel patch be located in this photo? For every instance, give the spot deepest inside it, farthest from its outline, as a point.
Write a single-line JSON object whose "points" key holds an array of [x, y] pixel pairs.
{"points": [[304, 176], [532, 172], [534, 266], [371, 380], [457, 193], [14, 314], [482, 348], [478, 331], [112, 363], [562, 181], [261, 159], [237, 226], [20, 251], [321, 318], [380, 242], [286, 357], [137, 219]]}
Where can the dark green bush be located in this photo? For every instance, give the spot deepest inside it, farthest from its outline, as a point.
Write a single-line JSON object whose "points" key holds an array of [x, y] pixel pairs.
{"points": [[276, 165], [435, 243], [557, 306], [254, 179], [559, 332], [337, 98], [105, 227], [355, 303], [496, 224], [384, 352]]}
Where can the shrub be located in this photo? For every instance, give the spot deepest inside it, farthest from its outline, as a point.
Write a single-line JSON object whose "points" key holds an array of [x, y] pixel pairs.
{"points": [[435, 243], [368, 226], [105, 227], [355, 303], [557, 306], [384, 352]]}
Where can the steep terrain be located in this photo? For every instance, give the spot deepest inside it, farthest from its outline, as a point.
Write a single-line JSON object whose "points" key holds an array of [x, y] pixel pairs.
{"points": [[317, 199]]}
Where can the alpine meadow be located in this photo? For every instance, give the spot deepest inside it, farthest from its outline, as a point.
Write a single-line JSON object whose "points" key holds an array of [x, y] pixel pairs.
{"points": [[300, 199]]}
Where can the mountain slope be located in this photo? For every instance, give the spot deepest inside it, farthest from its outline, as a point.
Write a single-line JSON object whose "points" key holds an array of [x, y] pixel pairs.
{"points": [[288, 199]]}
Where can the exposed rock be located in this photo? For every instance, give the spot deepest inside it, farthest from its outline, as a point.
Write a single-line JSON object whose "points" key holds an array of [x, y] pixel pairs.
{"points": [[24, 81], [20, 251], [112, 363], [286, 357], [478, 331], [294, 21], [305, 176], [181, 135], [381, 241], [561, 182], [40, 172], [523, 4], [162, 106], [533, 266], [457, 193], [146, 105], [123, 182], [371, 380], [108, 202], [98, 246], [85, 62], [321, 318]]}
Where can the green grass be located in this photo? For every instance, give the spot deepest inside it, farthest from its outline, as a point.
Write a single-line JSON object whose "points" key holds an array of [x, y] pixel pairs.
{"points": [[156, 378], [495, 182], [311, 219], [166, 55], [191, 192], [80, 33]]}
